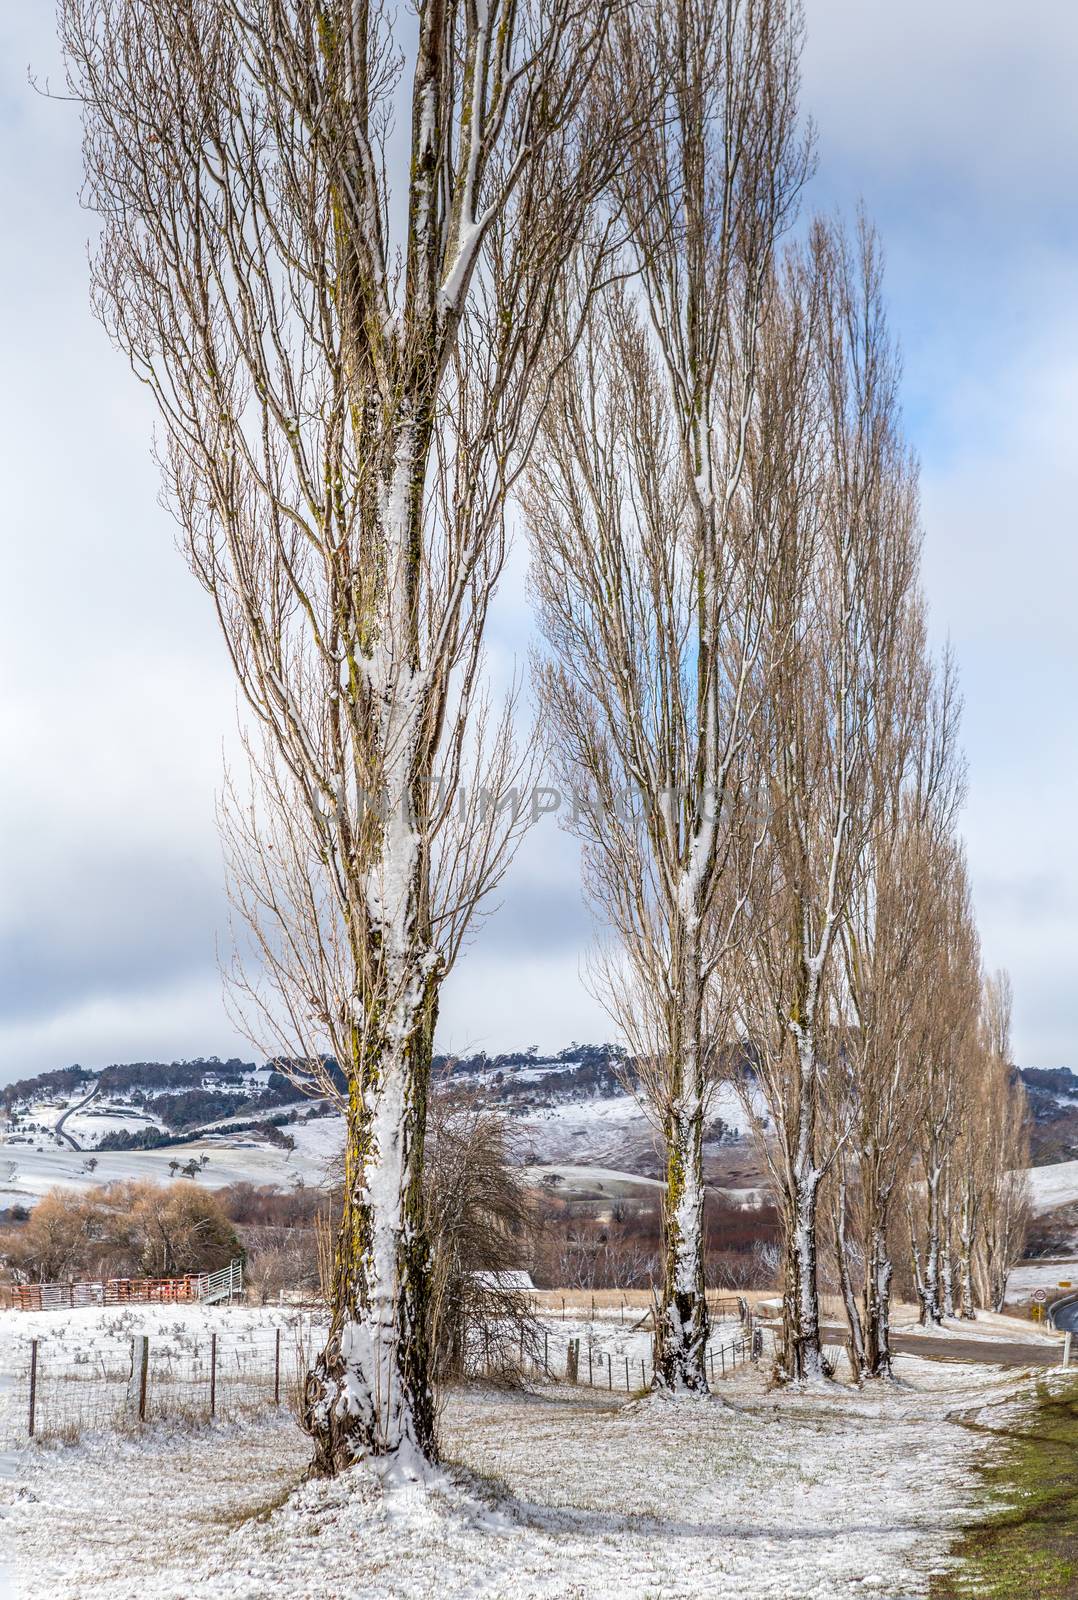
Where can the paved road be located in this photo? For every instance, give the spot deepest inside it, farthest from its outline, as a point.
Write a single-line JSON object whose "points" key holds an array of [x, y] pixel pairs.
{"points": [[59, 1128], [993, 1352], [1065, 1315]]}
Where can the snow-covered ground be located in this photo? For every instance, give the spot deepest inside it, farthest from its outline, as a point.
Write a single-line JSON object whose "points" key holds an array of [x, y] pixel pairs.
{"points": [[37, 1171], [988, 1326], [1055, 1185], [1054, 1277], [569, 1493], [561, 1493]]}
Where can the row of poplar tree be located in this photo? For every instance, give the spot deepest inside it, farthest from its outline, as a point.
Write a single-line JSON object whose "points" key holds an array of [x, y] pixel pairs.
{"points": [[388, 277]]}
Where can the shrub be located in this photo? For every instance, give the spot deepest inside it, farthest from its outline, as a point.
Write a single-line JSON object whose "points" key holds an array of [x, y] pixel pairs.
{"points": [[121, 1230]]}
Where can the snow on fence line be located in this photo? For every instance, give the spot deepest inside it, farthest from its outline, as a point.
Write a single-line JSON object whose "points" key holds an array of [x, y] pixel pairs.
{"points": [[204, 1286], [605, 1369], [63, 1393]]}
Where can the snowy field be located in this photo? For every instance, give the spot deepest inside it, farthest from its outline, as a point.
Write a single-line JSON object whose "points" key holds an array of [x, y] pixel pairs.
{"points": [[26, 1173], [84, 1361], [1055, 1185], [1054, 1277], [597, 1132], [560, 1492]]}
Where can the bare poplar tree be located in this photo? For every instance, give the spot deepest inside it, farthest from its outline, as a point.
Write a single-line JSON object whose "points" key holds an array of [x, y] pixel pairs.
{"points": [[889, 944], [997, 1195], [341, 346], [653, 540], [839, 600], [944, 1029]]}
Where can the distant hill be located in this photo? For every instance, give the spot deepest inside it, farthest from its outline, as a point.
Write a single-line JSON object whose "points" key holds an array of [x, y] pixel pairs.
{"points": [[1053, 1103], [145, 1105], [574, 1103]]}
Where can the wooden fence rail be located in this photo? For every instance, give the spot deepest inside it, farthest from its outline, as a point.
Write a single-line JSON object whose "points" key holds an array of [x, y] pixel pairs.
{"points": [[195, 1286]]}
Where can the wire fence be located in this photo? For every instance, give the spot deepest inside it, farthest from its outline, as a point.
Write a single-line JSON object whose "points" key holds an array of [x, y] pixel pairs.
{"points": [[120, 1380], [584, 1360], [64, 1391]]}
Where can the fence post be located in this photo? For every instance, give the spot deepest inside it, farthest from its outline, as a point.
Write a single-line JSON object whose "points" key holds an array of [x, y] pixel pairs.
{"points": [[143, 1379], [626, 1374], [643, 1380], [213, 1374], [33, 1383], [136, 1388], [277, 1369], [609, 1370], [722, 1358], [546, 1352], [590, 1379]]}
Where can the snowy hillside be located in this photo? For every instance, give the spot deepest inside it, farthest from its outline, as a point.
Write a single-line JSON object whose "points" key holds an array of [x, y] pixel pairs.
{"points": [[1055, 1185], [233, 1122]]}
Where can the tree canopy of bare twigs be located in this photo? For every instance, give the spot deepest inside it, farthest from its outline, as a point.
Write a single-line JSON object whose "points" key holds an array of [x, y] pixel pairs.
{"points": [[839, 598], [653, 544], [331, 242]]}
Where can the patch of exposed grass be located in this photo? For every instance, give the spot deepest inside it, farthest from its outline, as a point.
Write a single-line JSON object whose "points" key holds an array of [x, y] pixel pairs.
{"points": [[1030, 1545], [260, 1511]]}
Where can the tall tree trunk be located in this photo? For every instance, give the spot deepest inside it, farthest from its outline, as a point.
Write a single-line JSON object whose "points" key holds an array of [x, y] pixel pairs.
{"points": [[947, 1249], [682, 1328], [878, 1330], [967, 1241], [369, 1392], [930, 1300], [849, 1299], [803, 1352], [915, 1264], [803, 1358], [877, 1290]]}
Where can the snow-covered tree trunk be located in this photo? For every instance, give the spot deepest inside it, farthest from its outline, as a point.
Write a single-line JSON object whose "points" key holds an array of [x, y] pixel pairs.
{"points": [[369, 1390], [879, 1272], [931, 1305], [681, 1334], [947, 1247], [967, 1244], [917, 1265], [803, 1358], [802, 1352]]}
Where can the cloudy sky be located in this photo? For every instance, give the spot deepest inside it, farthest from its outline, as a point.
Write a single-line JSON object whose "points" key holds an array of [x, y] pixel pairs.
{"points": [[959, 130]]}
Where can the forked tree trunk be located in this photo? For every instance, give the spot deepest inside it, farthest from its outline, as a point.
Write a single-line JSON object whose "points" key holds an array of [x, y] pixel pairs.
{"points": [[369, 1391], [682, 1328]]}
